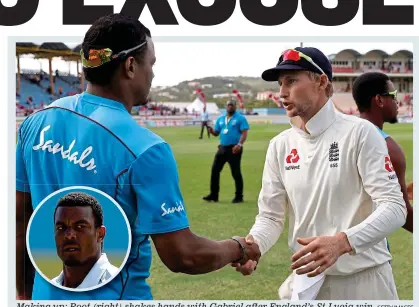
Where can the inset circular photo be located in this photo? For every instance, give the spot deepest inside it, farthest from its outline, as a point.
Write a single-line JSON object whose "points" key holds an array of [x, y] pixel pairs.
{"points": [[78, 238]]}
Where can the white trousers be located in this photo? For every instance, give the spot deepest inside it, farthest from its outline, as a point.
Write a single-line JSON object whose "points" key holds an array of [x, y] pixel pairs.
{"points": [[376, 283]]}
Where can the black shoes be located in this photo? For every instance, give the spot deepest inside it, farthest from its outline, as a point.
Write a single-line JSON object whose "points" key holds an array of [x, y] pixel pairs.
{"points": [[210, 198]]}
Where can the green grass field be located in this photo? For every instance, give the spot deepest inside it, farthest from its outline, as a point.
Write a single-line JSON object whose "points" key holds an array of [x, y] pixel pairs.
{"points": [[224, 219]]}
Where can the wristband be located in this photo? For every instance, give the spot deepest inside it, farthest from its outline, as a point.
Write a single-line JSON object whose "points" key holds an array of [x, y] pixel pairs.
{"points": [[242, 248], [240, 145]]}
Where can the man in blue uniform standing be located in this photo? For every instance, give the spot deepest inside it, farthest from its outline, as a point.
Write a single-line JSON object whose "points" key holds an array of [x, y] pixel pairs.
{"points": [[91, 139], [232, 129], [376, 98]]}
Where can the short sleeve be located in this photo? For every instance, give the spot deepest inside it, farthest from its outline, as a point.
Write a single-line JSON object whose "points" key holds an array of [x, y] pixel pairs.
{"points": [[217, 125], [22, 183], [154, 178], [244, 125]]}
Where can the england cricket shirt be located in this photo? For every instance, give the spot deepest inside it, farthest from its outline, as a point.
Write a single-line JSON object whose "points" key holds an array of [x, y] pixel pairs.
{"points": [[334, 177], [93, 141]]}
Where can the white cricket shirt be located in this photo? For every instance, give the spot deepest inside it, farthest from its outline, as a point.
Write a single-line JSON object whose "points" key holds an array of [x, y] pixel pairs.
{"points": [[336, 178], [101, 272]]}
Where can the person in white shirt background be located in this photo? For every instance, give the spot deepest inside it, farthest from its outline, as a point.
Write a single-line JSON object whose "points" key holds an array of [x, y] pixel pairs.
{"points": [[79, 237], [204, 122], [328, 175]]}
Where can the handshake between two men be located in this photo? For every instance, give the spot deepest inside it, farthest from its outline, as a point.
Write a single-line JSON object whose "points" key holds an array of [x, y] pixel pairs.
{"points": [[316, 255], [185, 252]]}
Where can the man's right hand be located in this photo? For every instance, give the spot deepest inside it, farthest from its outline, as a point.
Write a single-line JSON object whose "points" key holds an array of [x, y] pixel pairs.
{"points": [[253, 255]]}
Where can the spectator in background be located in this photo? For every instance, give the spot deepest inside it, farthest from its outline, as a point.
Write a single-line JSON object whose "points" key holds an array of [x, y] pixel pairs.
{"points": [[204, 122]]}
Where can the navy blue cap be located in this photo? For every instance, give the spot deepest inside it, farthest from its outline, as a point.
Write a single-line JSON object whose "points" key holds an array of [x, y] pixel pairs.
{"points": [[315, 54]]}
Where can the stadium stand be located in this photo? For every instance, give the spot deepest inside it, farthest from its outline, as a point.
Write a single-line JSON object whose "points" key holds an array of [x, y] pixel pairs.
{"points": [[36, 89]]}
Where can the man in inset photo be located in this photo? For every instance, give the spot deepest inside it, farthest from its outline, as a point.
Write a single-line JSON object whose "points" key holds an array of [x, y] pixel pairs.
{"points": [[79, 235]]}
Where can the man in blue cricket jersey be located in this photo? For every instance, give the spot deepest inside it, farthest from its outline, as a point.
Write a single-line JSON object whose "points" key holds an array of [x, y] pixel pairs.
{"points": [[232, 129], [91, 139], [376, 98]]}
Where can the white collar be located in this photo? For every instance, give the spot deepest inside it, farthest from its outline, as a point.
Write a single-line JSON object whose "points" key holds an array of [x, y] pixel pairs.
{"points": [[322, 120], [96, 275]]}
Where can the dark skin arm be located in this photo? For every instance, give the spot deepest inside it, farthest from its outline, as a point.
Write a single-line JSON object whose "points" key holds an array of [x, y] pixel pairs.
{"points": [[213, 132], [25, 271], [184, 252], [398, 160], [410, 190], [237, 148]]}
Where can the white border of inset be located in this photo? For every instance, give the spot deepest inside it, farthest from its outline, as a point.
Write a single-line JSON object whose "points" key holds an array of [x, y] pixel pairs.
{"points": [[78, 188]]}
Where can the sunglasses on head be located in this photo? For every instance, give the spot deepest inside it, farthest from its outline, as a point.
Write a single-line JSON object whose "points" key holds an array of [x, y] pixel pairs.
{"points": [[392, 94], [295, 56], [99, 57]]}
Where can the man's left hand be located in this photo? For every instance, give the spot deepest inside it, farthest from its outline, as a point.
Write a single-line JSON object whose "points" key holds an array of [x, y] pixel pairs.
{"points": [[236, 149], [320, 253]]}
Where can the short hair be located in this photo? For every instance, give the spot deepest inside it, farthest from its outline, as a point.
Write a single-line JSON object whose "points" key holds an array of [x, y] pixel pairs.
{"points": [[117, 32], [329, 87], [79, 199], [366, 86]]}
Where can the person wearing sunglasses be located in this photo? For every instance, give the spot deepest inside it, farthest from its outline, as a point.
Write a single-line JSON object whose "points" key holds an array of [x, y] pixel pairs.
{"points": [[91, 139], [329, 175], [376, 99]]}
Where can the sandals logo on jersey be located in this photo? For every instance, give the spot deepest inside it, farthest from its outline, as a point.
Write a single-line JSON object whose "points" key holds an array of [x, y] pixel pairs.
{"points": [[389, 168], [292, 158], [66, 154], [178, 208]]}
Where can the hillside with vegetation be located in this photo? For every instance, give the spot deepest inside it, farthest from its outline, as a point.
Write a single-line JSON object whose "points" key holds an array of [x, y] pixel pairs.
{"points": [[217, 89]]}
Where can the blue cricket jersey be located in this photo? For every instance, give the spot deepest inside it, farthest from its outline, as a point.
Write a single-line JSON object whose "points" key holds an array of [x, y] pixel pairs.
{"points": [[231, 130], [92, 141]]}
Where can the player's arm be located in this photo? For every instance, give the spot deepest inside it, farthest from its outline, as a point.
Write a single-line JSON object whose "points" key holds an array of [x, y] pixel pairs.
{"points": [[381, 183], [162, 215], [398, 160], [410, 190], [183, 251], [272, 204], [24, 268], [25, 271]]}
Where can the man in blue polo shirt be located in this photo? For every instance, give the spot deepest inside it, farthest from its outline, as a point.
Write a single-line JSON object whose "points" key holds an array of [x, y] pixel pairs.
{"points": [[91, 139], [232, 129]]}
